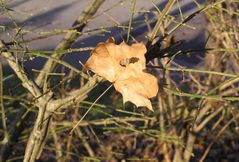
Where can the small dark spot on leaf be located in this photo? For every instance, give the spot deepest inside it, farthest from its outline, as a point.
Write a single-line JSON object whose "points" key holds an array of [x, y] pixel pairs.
{"points": [[128, 61]]}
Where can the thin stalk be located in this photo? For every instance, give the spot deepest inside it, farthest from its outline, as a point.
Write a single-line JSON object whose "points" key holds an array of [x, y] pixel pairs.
{"points": [[77, 124], [57, 144], [211, 97], [217, 137], [160, 20], [131, 19], [195, 71], [3, 113]]}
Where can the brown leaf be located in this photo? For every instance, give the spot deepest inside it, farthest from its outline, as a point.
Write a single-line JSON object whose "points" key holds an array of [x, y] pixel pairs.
{"points": [[124, 66]]}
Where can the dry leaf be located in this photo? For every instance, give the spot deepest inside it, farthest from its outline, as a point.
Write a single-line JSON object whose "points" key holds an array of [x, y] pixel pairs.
{"points": [[124, 66]]}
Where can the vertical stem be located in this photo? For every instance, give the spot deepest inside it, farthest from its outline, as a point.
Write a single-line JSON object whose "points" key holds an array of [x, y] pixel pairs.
{"points": [[162, 127], [3, 115], [131, 19], [37, 138], [57, 144], [160, 20], [189, 147]]}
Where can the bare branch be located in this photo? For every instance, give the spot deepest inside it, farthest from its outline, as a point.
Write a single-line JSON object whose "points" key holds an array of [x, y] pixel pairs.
{"points": [[69, 38], [29, 84], [78, 94]]}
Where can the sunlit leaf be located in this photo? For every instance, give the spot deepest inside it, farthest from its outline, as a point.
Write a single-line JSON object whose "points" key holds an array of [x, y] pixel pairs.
{"points": [[124, 66]]}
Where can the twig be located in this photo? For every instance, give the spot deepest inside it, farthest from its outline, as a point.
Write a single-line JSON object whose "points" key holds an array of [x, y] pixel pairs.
{"points": [[70, 38], [217, 137], [206, 120], [85, 143], [71, 132], [195, 71], [133, 3], [74, 95], [15, 129], [38, 136], [3, 115], [160, 20], [162, 127], [211, 97], [106, 121], [57, 144], [29, 84]]}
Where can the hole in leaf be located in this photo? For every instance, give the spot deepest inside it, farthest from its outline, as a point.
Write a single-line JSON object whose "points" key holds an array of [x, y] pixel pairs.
{"points": [[128, 61]]}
